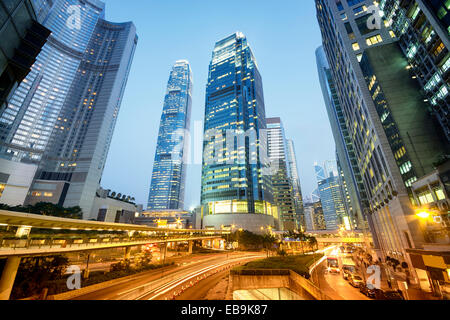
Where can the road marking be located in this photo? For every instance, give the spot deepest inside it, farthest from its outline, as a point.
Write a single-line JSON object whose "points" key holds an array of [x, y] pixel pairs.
{"points": [[173, 284]]}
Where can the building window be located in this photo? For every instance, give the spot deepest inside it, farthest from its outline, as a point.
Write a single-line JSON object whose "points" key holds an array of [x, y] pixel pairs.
{"points": [[374, 40], [440, 195]]}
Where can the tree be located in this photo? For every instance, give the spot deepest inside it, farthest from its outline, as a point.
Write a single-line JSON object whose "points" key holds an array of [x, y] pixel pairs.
{"points": [[268, 242], [312, 242], [35, 272], [47, 209]]}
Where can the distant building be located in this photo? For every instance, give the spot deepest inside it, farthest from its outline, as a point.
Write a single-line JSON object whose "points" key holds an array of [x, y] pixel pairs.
{"points": [[295, 181], [172, 219], [309, 217], [169, 168], [332, 199], [314, 217], [282, 188], [111, 207]]}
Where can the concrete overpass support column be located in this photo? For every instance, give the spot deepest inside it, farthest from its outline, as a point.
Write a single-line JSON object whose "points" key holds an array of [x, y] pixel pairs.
{"points": [[127, 253], [8, 277], [86, 271], [164, 251], [191, 245]]}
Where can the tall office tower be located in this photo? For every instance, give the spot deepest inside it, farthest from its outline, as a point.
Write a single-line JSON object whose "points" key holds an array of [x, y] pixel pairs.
{"points": [[309, 217], [62, 117], [169, 168], [332, 199], [283, 191], [31, 112], [346, 158], [295, 181], [22, 41], [236, 184], [394, 139], [423, 29], [318, 216]]}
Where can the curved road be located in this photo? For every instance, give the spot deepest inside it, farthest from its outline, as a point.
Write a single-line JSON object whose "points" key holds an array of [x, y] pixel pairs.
{"points": [[162, 284]]}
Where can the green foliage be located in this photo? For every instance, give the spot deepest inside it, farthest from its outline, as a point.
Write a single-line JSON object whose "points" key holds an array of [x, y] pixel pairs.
{"points": [[300, 236], [47, 209], [250, 240], [35, 272]]}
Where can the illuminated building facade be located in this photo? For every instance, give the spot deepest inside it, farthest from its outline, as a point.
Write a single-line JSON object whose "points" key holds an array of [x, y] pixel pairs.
{"points": [[22, 41], [235, 143], [393, 135], [352, 184], [169, 169], [295, 181], [332, 199], [423, 30], [283, 191], [62, 116]]}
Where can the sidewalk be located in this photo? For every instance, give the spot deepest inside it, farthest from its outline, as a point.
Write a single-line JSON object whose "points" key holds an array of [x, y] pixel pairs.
{"points": [[414, 291]]}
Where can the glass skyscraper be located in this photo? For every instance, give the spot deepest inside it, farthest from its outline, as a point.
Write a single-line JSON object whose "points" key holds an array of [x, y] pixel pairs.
{"points": [[423, 29], [62, 117], [169, 169], [234, 179], [378, 72], [331, 197], [346, 157]]}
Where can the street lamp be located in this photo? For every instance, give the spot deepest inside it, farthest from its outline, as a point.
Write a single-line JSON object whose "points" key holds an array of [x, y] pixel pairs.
{"points": [[423, 215]]}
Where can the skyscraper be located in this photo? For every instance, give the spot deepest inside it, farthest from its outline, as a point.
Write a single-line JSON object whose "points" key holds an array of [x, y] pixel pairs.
{"points": [[283, 191], [394, 140], [345, 152], [295, 181], [332, 199], [169, 168], [24, 39], [235, 184], [61, 118], [423, 30]]}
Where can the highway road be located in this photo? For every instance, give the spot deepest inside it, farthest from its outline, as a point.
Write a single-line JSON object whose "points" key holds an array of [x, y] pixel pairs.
{"points": [[162, 284], [334, 285], [200, 291]]}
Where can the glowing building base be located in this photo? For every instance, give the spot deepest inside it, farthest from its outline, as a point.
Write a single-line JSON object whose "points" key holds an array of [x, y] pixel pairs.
{"points": [[256, 223]]}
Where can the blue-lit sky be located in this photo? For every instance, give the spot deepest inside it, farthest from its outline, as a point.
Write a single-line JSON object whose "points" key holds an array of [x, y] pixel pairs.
{"points": [[283, 35]]}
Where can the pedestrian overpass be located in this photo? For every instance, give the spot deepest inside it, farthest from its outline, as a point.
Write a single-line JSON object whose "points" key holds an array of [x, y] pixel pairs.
{"points": [[326, 238], [71, 235]]}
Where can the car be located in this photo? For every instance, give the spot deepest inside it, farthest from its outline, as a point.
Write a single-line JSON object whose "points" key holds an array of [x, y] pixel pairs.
{"points": [[369, 292], [389, 295], [356, 280], [346, 274], [347, 271]]}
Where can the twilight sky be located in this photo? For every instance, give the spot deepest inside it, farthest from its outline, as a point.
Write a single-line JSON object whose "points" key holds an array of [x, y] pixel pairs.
{"points": [[283, 35]]}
